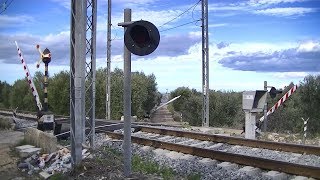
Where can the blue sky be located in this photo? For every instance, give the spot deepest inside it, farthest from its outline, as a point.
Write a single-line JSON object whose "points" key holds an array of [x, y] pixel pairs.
{"points": [[249, 41]]}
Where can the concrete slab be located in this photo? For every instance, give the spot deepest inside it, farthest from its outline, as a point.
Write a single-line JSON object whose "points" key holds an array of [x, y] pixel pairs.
{"points": [[227, 165], [28, 152], [249, 170], [44, 175], [274, 175], [300, 178], [19, 148], [208, 161]]}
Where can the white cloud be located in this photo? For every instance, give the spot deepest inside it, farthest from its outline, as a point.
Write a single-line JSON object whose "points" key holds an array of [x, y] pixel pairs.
{"points": [[271, 2], [309, 46], [284, 12], [286, 75], [15, 21]]}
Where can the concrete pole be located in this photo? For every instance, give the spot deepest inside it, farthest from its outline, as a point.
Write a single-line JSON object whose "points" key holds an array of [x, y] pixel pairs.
{"points": [[77, 78], [250, 121], [127, 103], [205, 65], [108, 83], [265, 109]]}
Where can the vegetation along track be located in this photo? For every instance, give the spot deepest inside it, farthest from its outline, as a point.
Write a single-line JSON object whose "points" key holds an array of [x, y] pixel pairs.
{"points": [[224, 148]]}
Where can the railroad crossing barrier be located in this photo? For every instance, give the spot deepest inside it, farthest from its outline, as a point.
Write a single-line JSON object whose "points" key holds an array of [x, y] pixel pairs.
{"points": [[281, 101]]}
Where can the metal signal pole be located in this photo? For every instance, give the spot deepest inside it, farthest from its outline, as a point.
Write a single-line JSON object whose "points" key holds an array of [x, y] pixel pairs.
{"points": [[205, 64], [108, 83]]}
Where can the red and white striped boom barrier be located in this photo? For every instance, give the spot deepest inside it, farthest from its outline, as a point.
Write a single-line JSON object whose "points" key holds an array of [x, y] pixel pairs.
{"points": [[284, 98], [29, 78]]}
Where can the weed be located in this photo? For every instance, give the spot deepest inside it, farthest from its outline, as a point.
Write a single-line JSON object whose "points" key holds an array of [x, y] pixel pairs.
{"points": [[22, 142], [5, 123], [57, 176], [149, 167], [194, 176]]}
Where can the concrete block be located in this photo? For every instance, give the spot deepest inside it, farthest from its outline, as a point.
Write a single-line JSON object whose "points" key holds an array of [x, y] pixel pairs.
{"points": [[19, 148], [44, 175], [28, 152], [48, 142], [300, 178], [208, 161], [31, 135], [227, 165], [274, 175], [249, 170]]}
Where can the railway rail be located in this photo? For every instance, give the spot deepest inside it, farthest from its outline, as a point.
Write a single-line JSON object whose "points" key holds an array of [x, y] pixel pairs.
{"points": [[158, 138], [163, 138]]}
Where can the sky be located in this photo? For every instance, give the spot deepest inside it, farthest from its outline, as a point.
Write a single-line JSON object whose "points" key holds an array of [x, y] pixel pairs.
{"points": [[250, 41]]}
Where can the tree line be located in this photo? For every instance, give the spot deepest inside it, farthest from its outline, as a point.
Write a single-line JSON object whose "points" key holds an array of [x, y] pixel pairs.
{"points": [[225, 108], [145, 94]]}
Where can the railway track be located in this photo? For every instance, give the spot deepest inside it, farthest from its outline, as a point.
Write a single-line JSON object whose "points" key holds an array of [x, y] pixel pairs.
{"points": [[259, 154], [283, 157]]}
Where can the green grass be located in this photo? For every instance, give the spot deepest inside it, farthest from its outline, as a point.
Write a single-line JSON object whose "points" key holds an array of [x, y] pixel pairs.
{"points": [[58, 176], [22, 142], [194, 177], [149, 167], [5, 123]]}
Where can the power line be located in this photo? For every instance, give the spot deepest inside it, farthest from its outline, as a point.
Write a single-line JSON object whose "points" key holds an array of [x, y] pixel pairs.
{"points": [[181, 25], [193, 6], [5, 6]]}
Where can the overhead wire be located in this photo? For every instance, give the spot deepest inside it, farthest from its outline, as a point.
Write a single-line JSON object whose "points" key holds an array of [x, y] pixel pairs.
{"points": [[193, 6], [181, 25], [5, 6]]}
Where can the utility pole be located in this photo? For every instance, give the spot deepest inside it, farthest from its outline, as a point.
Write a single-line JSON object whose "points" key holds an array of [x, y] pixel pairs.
{"points": [[77, 78], [108, 83], [205, 64], [127, 102]]}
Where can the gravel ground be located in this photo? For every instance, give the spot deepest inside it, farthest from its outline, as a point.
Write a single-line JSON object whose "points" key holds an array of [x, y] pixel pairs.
{"points": [[187, 164]]}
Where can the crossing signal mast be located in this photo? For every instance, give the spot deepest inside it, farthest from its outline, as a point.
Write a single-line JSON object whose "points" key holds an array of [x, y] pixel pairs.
{"points": [[140, 38]]}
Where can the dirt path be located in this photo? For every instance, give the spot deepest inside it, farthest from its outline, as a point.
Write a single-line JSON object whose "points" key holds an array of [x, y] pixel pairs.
{"points": [[8, 162]]}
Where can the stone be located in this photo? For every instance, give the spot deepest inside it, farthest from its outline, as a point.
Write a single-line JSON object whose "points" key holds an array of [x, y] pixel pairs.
{"points": [[208, 161], [249, 170], [19, 148], [227, 165], [23, 166], [44, 175], [274, 175], [28, 152], [215, 146]]}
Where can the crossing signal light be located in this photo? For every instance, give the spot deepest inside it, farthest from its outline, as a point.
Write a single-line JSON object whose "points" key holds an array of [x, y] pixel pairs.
{"points": [[141, 38], [273, 92]]}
